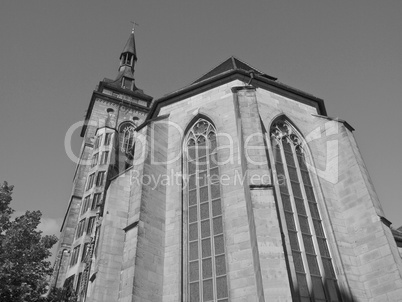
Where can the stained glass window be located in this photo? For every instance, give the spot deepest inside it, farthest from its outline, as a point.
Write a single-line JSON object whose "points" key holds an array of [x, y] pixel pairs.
{"points": [[314, 279], [206, 257]]}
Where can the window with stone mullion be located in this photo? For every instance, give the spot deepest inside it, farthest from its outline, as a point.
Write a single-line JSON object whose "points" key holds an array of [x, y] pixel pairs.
{"points": [[315, 280], [207, 280], [126, 137], [301, 278], [331, 284], [127, 140], [193, 241], [303, 220]]}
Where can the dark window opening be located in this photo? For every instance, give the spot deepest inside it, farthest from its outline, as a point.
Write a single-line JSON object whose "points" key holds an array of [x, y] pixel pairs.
{"points": [[314, 272]]}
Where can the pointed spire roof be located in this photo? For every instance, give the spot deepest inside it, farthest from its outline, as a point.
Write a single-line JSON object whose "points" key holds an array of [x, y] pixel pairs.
{"points": [[130, 46], [232, 63]]}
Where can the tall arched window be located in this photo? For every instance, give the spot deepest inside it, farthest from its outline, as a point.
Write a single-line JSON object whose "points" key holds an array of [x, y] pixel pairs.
{"points": [[313, 273], [205, 259], [126, 137]]}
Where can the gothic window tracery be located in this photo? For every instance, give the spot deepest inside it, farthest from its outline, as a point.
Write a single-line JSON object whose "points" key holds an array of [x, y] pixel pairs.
{"points": [[314, 277], [127, 138], [205, 261]]}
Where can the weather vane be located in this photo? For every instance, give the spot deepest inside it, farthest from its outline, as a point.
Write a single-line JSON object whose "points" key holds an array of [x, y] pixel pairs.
{"points": [[134, 24]]}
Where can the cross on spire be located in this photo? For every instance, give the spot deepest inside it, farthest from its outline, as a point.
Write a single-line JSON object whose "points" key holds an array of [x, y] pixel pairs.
{"points": [[134, 24]]}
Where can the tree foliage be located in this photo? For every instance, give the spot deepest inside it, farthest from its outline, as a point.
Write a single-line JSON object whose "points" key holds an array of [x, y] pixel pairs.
{"points": [[24, 269]]}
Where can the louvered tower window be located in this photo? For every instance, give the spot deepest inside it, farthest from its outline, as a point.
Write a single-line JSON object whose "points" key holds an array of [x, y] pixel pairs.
{"points": [[314, 277], [206, 259]]}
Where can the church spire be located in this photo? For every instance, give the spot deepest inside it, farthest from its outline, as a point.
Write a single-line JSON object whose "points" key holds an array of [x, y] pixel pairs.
{"points": [[128, 58]]}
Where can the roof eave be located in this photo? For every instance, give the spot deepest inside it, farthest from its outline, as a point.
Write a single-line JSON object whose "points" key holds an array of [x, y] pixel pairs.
{"points": [[257, 80]]}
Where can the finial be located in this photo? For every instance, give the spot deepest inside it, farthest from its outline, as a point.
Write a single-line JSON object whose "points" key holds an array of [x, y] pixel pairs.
{"points": [[134, 24]]}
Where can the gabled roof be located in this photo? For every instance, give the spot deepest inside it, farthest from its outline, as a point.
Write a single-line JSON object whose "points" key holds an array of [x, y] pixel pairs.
{"points": [[232, 64]]}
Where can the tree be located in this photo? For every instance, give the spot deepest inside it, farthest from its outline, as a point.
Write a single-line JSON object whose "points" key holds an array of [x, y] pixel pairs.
{"points": [[24, 269]]}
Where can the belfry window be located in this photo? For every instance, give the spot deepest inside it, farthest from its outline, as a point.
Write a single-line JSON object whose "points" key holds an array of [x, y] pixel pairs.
{"points": [[313, 274], [205, 261], [128, 59], [127, 138]]}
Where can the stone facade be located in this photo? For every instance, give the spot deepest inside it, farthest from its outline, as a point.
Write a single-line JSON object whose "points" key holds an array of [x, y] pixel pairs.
{"points": [[138, 249]]}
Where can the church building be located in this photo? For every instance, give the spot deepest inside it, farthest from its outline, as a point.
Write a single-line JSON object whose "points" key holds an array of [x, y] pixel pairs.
{"points": [[236, 187]]}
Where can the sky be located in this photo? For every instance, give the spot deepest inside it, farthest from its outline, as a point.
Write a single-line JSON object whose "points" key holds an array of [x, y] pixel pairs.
{"points": [[54, 53]]}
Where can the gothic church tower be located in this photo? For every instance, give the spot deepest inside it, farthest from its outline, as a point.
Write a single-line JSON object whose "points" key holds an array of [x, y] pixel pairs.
{"points": [[234, 188], [116, 108]]}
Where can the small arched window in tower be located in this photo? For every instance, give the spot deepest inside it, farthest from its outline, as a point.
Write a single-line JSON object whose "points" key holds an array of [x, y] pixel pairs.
{"points": [[127, 137], [313, 273], [128, 59], [205, 259]]}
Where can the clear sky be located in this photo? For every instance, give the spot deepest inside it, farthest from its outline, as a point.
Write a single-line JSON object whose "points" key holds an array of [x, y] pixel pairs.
{"points": [[54, 53]]}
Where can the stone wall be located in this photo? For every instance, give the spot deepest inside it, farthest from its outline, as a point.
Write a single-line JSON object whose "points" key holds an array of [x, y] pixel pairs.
{"points": [[108, 263]]}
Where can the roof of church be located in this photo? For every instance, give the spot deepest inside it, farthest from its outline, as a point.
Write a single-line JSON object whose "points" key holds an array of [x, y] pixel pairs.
{"points": [[230, 64], [130, 46], [231, 69]]}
